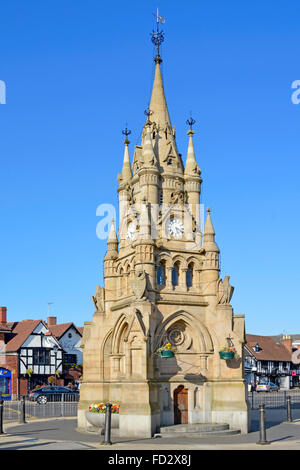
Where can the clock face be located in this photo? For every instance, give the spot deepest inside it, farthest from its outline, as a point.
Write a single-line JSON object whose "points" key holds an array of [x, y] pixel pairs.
{"points": [[131, 231], [175, 228]]}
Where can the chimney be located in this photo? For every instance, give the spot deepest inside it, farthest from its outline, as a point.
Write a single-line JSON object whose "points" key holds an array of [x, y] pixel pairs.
{"points": [[51, 321], [3, 311], [287, 342]]}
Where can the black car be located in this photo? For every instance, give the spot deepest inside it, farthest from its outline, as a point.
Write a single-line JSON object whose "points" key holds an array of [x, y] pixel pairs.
{"points": [[54, 393]]}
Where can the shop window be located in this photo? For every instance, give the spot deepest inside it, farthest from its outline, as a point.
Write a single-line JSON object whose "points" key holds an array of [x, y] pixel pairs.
{"points": [[5, 384]]}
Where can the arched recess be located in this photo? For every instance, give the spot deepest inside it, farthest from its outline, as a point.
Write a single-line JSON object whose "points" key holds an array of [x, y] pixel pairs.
{"points": [[118, 334], [127, 267], [190, 275], [175, 274], [164, 256], [118, 348], [161, 274], [201, 335], [181, 260], [197, 263]]}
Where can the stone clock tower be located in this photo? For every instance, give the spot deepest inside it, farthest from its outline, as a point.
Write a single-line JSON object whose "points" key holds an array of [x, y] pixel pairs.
{"points": [[162, 285]]}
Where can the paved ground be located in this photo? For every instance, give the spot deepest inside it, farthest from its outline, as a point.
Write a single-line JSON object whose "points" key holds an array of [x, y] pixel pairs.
{"points": [[61, 434]]}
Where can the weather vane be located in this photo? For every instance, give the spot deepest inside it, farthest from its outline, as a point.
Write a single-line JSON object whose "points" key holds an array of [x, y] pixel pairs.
{"points": [[158, 36], [126, 132]]}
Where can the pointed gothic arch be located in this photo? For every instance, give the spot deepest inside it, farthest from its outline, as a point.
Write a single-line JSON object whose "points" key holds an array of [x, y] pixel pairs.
{"points": [[201, 333], [105, 353], [118, 332]]}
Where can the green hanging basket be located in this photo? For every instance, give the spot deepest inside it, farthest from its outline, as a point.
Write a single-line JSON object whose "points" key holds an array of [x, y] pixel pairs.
{"points": [[226, 354], [166, 353]]}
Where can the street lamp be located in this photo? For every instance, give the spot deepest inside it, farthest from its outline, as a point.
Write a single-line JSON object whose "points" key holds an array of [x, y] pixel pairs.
{"points": [[55, 349]]}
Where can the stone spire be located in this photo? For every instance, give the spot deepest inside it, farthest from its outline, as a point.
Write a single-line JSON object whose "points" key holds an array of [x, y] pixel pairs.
{"points": [[158, 103], [126, 174], [191, 167], [112, 243], [126, 170], [148, 155], [209, 235]]}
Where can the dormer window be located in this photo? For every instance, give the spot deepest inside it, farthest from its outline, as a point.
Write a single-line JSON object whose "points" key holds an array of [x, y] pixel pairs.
{"points": [[257, 348]]}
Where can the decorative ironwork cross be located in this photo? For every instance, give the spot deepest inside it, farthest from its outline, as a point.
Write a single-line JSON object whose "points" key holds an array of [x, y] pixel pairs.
{"points": [[126, 132], [148, 113], [191, 122]]}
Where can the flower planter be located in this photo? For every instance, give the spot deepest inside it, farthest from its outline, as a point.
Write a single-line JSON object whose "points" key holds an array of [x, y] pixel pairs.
{"points": [[98, 419], [166, 353], [226, 354]]}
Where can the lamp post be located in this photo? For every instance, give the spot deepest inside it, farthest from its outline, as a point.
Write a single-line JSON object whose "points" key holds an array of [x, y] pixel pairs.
{"points": [[55, 349]]}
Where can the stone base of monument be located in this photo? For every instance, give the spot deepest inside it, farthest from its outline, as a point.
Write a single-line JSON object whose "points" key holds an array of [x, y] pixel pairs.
{"points": [[196, 430], [97, 420]]}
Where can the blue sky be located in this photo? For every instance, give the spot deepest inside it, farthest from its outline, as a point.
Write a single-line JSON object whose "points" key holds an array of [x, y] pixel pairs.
{"points": [[76, 71]]}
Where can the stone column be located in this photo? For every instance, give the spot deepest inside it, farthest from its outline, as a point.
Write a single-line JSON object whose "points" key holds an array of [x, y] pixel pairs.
{"points": [[169, 285]]}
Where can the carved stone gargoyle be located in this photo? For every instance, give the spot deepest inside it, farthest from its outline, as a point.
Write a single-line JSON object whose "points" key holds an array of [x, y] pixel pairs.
{"points": [[224, 291], [98, 299], [139, 285]]}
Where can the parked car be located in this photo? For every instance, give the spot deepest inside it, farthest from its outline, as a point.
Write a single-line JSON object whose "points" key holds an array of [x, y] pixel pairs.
{"points": [[267, 387], [56, 393]]}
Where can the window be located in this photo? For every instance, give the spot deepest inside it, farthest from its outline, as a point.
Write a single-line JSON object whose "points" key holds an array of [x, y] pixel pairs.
{"points": [[189, 275], [160, 278], [70, 359], [41, 356], [4, 387], [175, 274]]}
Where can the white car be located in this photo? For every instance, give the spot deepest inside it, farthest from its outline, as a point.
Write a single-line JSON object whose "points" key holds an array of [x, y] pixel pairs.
{"points": [[269, 387]]}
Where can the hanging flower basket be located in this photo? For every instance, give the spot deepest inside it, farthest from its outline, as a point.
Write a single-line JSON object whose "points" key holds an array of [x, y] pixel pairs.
{"points": [[227, 353], [166, 351], [29, 372]]}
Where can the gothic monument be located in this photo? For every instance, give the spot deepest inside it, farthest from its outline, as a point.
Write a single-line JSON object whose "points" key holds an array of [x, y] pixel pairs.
{"points": [[162, 286]]}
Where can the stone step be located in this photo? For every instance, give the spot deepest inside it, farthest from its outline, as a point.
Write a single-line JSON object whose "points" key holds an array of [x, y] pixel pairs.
{"points": [[220, 433], [195, 427]]}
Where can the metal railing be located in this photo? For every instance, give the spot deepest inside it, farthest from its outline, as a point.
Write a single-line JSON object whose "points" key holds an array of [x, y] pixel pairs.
{"points": [[274, 399], [64, 405]]}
